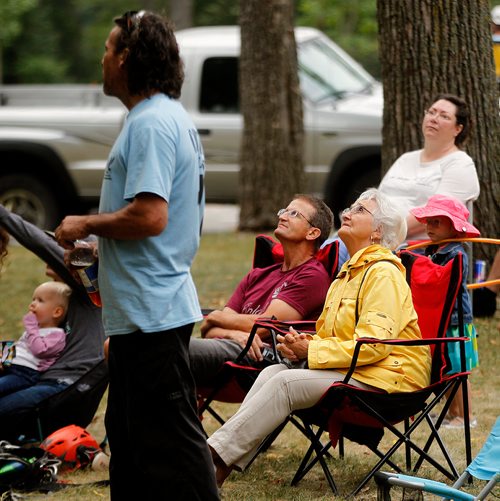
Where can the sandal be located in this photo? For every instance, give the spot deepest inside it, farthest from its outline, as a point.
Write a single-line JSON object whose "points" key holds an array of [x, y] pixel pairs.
{"points": [[457, 423]]}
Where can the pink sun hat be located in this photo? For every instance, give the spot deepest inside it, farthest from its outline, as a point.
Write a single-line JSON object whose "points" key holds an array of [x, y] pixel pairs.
{"points": [[453, 209]]}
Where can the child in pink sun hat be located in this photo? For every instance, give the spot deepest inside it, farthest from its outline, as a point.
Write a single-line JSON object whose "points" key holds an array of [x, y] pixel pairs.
{"points": [[446, 217]]}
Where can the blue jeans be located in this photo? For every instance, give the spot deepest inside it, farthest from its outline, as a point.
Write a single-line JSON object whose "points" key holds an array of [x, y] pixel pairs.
{"points": [[29, 398], [17, 377]]}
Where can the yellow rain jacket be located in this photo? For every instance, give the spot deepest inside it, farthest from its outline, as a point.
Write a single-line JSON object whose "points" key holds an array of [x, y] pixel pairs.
{"points": [[385, 311]]}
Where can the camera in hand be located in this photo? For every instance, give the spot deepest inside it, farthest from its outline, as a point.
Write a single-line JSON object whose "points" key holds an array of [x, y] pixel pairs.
{"points": [[268, 356]]}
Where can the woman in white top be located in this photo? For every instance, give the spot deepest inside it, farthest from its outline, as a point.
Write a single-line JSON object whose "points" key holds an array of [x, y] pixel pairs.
{"points": [[441, 167]]}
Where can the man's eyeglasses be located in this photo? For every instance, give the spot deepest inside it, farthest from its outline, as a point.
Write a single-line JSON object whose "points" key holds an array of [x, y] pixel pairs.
{"points": [[355, 209], [132, 19], [437, 114], [293, 213]]}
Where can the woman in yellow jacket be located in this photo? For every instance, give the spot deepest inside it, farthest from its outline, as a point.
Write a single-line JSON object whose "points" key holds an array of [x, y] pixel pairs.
{"points": [[369, 298]]}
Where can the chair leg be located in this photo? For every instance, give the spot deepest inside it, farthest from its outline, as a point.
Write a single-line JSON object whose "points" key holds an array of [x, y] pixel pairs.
{"points": [[307, 463], [461, 480], [214, 414], [465, 396], [381, 455], [488, 487], [407, 447], [402, 438], [453, 387], [341, 446], [383, 492]]}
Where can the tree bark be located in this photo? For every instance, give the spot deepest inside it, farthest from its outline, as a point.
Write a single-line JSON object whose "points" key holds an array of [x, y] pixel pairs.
{"points": [[429, 47], [271, 166]]}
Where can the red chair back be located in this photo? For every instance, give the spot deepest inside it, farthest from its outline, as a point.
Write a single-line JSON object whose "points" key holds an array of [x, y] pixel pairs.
{"points": [[268, 252]]}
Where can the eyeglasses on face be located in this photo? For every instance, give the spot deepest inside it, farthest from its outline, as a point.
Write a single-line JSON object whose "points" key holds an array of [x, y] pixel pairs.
{"points": [[292, 213], [133, 18], [432, 112], [356, 209]]}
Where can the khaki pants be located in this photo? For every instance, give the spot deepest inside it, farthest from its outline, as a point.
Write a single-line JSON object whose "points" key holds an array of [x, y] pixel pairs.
{"points": [[275, 394]]}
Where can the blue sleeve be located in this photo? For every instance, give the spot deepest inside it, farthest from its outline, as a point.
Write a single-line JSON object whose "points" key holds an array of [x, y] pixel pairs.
{"points": [[151, 162]]}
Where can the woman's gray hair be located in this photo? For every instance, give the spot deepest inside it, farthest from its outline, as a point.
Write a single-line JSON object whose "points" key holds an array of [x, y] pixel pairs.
{"points": [[387, 217]]}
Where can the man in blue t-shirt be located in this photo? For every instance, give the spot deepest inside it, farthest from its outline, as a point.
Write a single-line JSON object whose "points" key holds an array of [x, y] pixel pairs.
{"points": [[148, 226]]}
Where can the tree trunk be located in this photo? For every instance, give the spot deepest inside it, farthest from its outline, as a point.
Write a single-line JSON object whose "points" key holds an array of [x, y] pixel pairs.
{"points": [[271, 166], [435, 46]]}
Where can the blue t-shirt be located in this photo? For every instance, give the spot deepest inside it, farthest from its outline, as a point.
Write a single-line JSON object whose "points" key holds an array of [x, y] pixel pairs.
{"points": [[146, 284]]}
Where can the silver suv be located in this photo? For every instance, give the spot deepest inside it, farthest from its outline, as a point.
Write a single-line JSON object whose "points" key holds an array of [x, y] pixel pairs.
{"points": [[54, 140], [342, 113]]}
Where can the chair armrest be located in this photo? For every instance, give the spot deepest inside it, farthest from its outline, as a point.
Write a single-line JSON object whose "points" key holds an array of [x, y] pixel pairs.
{"points": [[397, 342]]}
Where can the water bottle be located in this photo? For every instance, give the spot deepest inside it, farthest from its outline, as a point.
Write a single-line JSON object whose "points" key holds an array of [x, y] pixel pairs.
{"points": [[82, 258]]}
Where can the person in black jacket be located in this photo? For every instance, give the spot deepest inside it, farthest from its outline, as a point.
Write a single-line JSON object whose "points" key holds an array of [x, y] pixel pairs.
{"points": [[85, 335]]}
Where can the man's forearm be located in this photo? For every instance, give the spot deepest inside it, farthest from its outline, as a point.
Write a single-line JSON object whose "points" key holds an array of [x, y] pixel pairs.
{"points": [[217, 333], [145, 216], [119, 226], [231, 320]]}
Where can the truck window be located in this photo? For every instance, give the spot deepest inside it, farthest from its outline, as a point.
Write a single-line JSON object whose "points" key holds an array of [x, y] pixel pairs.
{"points": [[219, 86]]}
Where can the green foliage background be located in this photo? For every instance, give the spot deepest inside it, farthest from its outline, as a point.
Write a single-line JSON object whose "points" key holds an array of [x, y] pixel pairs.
{"points": [[50, 41]]}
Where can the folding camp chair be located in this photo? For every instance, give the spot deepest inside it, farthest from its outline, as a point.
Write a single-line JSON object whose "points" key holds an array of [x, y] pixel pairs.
{"points": [[362, 415], [77, 405], [486, 466], [235, 378]]}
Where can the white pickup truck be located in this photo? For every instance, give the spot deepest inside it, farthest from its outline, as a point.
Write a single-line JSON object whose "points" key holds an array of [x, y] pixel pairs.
{"points": [[54, 140]]}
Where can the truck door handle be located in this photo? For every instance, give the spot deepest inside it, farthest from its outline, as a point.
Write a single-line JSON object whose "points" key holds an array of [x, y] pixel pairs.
{"points": [[204, 132]]}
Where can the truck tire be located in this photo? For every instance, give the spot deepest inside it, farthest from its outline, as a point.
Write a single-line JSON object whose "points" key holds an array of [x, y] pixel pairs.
{"points": [[27, 196]]}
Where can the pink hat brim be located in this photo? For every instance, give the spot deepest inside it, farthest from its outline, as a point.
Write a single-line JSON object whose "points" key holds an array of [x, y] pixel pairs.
{"points": [[464, 228]]}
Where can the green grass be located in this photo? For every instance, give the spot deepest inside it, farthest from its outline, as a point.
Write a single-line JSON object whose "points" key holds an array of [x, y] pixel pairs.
{"points": [[223, 259]]}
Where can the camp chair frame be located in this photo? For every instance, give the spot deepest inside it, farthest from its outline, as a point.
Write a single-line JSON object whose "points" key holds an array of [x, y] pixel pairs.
{"points": [[76, 404], [414, 405], [328, 413], [235, 379], [372, 404], [485, 466]]}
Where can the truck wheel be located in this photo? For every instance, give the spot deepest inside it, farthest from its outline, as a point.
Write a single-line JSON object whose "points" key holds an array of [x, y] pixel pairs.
{"points": [[28, 197]]}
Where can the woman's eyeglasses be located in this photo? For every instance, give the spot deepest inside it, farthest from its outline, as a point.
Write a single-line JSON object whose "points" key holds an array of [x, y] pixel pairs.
{"points": [[293, 213], [437, 114], [355, 209]]}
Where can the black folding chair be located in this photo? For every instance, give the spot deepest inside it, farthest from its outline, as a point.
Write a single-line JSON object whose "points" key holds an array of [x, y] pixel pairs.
{"points": [[346, 411], [362, 416], [77, 405]]}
